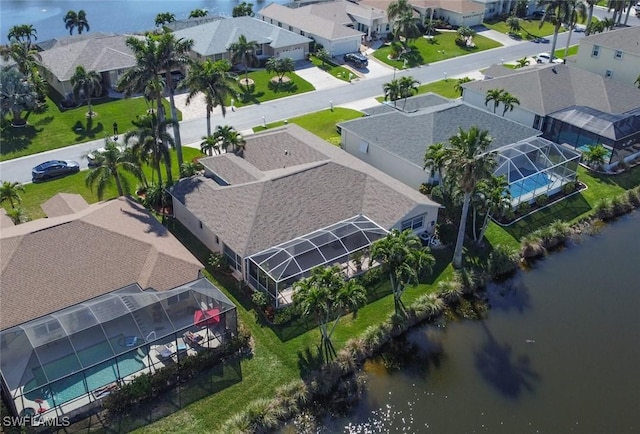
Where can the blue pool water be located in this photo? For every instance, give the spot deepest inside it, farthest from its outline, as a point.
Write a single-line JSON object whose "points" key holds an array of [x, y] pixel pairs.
{"points": [[529, 184]]}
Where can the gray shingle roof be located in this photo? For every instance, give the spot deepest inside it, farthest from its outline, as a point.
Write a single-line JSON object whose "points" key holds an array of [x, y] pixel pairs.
{"points": [[216, 36], [407, 135], [412, 104], [231, 168], [48, 264], [627, 40], [551, 88], [285, 204], [100, 54]]}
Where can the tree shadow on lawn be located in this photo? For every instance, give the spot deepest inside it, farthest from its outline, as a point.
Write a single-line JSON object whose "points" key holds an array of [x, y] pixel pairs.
{"points": [[628, 179], [309, 361], [17, 139], [249, 95], [89, 132], [288, 87]]}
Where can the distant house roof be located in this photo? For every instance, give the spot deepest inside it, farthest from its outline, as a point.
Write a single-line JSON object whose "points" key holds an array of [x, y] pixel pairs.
{"points": [[192, 22], [323, 25], [549, 88], [48, 44], [627, 40], [613, 126], [412, 104], [215, 37], [101, 53], [64, 204], [407, 135], [49, 264], [311, 186], [459, 6]]}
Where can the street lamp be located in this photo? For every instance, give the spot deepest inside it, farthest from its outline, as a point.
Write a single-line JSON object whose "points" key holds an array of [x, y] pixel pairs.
{"points": [[445, 76], [264, 122], [331, 105]]}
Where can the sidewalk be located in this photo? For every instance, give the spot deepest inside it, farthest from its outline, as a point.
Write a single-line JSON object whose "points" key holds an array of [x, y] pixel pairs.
{"points": [[505, 40]]}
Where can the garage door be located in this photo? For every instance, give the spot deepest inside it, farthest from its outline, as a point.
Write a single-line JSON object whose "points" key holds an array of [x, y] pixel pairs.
{"points": [[295, 54], [348, 46]]}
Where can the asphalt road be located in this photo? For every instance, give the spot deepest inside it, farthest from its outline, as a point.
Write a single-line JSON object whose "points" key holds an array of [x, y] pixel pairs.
{"points": [[244, 118]]}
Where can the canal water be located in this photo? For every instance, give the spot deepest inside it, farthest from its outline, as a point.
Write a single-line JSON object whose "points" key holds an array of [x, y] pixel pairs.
{"points": [[115, 16], [558, 353]]}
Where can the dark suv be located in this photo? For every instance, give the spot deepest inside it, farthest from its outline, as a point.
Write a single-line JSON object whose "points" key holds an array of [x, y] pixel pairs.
{"points": [[356, 59]]}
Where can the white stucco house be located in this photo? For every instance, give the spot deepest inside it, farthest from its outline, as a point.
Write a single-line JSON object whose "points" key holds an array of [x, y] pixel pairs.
{"points": [[290, 202], [455, 12], [614, 55]]}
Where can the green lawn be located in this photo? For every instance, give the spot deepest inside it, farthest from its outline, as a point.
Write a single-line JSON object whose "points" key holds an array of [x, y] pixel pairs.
{"points": [[263, 89], [37, 193], [445, 88], [530, 28], [573, 50], [335, 70], [443, 47], [56, 128]]}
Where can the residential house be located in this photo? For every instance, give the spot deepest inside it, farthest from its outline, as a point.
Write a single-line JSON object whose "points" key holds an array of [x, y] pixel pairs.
{"points": [[570, 105], [455, 12], [213, 38], [339, 26], [395, 140], [87, 294], [291, 201], [614, 55], [107, 54], [494, 8]]}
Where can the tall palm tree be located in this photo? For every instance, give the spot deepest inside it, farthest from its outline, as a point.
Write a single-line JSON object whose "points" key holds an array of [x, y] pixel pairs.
{"points": [[577, 12], [458, 86], [244, 51], [197, 13], [495, 96], [467, 163], [398, 8], [280, 66], [209, 145], [87, 82], [109, 165], [556, 12], [392, 91], [164, 18], [408, 87], [617, 6], [590, 5], [78, 21], [495, 197], [514, 24], [403, 257], [434, 159], [406, 26], [328, 297], [509, 101], [150, 138], [23, 33], [212, 79], [28, 61], [226, 136], [11, 191]]}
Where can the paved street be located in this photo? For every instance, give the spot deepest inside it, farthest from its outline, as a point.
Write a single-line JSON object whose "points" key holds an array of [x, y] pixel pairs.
{"points": [[329, 91]]}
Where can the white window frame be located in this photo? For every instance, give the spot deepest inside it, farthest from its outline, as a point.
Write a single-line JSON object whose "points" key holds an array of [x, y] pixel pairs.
{"points": [[595, 51], [608, 73], [618, 55], [413, 223]]}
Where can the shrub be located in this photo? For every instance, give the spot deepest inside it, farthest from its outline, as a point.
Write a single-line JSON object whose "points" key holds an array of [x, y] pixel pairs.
{"points": [[218, 261], [286, 314], [523, 208], [633, 196], [260, 299], [569, 187], [371, 277], [542, 200], [425, 189], [604, 209], [531, 246], [502, 260], [620, 204], [450, 290]]}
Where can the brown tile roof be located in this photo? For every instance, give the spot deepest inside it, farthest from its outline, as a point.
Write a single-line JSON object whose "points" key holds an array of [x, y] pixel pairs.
{"points": [[231, 168], [49, 264], [459, 6], [64, 204], [326, 185]]}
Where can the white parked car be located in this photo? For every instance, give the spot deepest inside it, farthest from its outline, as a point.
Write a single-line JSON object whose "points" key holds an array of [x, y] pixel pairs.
{"points": [[545, 57]]}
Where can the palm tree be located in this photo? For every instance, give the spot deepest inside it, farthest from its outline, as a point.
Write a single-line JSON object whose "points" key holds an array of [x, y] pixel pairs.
{"points": [[556, 12], [403, 257], [434, 159], [213, 81], [595, 155], [323, 55], [11, 191], [244, 52], [151, 139], [226, 136], [406, 26], [28, 61], [458, 86], [514, 25], [494, 95], [392, 91], [467, 163], [89, 82], [521, 63], [73, 20], [198, 13], [209, 145], [577, 12], [17, 94], [509, 101], [398, 8], [108, 166], [408, 87], [164, 18], [23, 33], [244, 9], [496, 197], [617, 6], [590, 5], [328, 297], [280, 66], [18, 215]]}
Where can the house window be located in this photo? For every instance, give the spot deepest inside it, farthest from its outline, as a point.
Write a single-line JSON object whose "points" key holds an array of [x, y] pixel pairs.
{"points": [[279, 24], [234, 260], [290, 28], [413, 223], [609, 73], [618, 54], [364, 147], [595, 52], [200, 225], [302, 33]]}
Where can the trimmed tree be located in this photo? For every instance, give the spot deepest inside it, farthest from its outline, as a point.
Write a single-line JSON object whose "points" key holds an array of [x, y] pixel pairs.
{"points": [[109, 165], [10, 191], [244, 51]]}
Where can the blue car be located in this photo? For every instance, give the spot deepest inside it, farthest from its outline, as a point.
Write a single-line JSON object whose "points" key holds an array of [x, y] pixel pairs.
{"points": [[54, 168]]}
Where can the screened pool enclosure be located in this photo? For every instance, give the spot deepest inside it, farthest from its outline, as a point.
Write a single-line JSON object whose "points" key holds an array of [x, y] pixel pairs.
{"points": [[276, 269], [61, 362], [536, 166]]}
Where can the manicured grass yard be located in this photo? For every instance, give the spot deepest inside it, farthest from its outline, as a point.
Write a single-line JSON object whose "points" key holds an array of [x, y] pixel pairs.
{"points": [[57, 128], [445, 88], [573, 50], [530, 28], [442, 48], [264, 90]]}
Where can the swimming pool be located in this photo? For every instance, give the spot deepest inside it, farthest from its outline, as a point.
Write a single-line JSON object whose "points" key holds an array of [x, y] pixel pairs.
{"points": [[528, 185], [74, 386]]}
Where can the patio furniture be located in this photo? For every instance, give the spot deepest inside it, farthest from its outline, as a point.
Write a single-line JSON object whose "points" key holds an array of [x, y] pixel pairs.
{"points": [[193, 339], [207, 317], [130, 341]]}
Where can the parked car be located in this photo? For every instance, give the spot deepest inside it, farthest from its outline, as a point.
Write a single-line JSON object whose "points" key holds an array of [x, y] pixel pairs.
{"points": [[356, 59], [91, 156], [545, 57], [535, 15], [53, 168]]}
